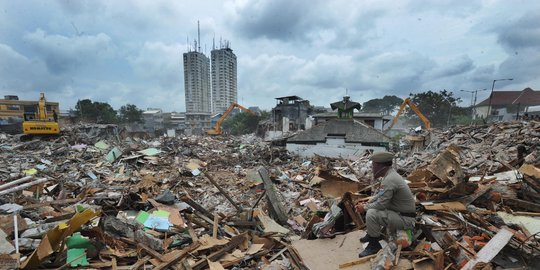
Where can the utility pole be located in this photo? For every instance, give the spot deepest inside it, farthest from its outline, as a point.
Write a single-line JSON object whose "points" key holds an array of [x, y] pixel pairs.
{"points": [[474, 93], [491, 95]]}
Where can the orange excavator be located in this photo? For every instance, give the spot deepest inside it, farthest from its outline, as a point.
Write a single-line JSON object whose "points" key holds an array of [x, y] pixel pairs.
{"points": [[415, 109], [217, 128]]}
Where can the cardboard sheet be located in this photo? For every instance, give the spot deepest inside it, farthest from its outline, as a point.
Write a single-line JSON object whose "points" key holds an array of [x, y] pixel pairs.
{"points": [[324, 254], [335, 189]]}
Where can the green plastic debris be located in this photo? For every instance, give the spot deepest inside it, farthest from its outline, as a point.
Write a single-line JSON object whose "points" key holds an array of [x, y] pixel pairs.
{"points": [[76, 253], [142, 217], [150, 151], [78, 241], [79, 208], [102, 145], [77, 257], [161, 213], [113, 154]]}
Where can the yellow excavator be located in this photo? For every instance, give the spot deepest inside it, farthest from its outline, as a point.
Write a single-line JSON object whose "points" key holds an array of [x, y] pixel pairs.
{"points": [[39, 122], [415, 109], [217, 128]]}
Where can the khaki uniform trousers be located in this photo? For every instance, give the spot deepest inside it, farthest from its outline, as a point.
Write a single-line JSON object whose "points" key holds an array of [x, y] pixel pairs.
{"points": [[376, 220]]}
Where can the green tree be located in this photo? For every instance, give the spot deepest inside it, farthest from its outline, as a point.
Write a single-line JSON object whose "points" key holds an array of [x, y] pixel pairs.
{"points": [[386, 105], [129, 113], [99, 112], [85, 109], [436, 106], [244, 123]]}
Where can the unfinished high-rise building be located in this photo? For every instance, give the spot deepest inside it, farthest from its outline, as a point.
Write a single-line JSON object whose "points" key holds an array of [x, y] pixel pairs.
{"points": [[224, 82], [197, 89], [197, 82]]}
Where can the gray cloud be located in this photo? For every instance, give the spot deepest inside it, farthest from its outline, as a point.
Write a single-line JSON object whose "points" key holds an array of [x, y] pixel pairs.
{"points": [[521, 41], [19, 74], [458, 66], [280, 19], [520, 34], [80, 6], [62, 53], [159, 62]]}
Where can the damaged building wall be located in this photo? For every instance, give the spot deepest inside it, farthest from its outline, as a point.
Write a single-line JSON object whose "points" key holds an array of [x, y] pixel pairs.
{"points": [[338, 138], [332, 148]]}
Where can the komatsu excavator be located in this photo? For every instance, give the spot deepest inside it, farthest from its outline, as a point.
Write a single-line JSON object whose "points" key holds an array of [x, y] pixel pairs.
{"points": [[39, 122], [217, 128]]}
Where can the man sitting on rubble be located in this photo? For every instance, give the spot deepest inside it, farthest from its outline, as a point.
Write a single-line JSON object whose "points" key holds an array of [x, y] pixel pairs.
{"points": [[392, 207]]}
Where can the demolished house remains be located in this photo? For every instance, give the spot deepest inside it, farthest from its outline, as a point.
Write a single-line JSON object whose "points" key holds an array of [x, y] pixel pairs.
{"points": [[95, 198]]}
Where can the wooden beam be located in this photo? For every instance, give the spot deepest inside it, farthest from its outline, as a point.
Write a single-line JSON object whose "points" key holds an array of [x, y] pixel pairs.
{"points": [[233, 243], [529, 206], [215, 227], [491, 249], [273, 202], [187, 199], [531, 182], [347, 201], [140, 262], [357, 261], [150, 251], [222, 191], [177, 257]]}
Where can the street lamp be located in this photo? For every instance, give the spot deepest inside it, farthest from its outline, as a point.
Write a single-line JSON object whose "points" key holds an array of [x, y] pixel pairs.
{"points": [[491, 95]]}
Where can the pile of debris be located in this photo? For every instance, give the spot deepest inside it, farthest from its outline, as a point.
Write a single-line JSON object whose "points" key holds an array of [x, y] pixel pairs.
{"points": [[98, 198]]}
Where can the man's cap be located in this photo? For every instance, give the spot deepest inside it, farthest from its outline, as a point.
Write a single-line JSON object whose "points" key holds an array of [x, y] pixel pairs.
{"points": [[382, 157]]}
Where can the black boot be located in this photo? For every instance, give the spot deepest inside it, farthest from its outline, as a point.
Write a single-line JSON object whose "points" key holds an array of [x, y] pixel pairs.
{"points": [[372, 248], [367, 238]]}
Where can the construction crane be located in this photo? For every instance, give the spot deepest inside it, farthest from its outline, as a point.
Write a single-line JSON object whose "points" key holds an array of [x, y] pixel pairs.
{"points": [[39, 123], [217, 128], [415, 109]]}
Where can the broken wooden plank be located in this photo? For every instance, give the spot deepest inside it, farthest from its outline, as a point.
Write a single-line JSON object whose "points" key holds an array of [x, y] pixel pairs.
{"points": [[532, 182], [458, 206], [233, 243], [223, 192], [446, 166], [530, 170], [357, 261], [491, 249], [273, 202], [471, 198], [347, 201], [177, 257], [215, 227], [529, 206], [150, 251], [140, 262], [187, 199]]}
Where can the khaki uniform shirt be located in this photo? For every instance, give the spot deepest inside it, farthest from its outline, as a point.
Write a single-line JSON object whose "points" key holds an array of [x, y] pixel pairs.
{"points": [[394, 194]]}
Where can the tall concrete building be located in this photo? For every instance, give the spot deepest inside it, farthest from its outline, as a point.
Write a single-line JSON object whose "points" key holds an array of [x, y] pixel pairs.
{"points": [[224, 82], [197, 82]]}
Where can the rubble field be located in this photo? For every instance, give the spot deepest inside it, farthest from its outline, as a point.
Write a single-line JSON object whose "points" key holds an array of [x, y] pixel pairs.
{"points": [[97, 198]]}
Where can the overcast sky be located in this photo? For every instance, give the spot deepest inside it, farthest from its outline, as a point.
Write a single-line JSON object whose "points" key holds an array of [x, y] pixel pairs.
{"points": [[131, 51]]}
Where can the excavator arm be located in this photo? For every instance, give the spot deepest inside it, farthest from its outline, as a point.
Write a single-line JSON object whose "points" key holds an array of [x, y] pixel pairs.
{"points": [[217, 128], [415, 109], [42, 108]]}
